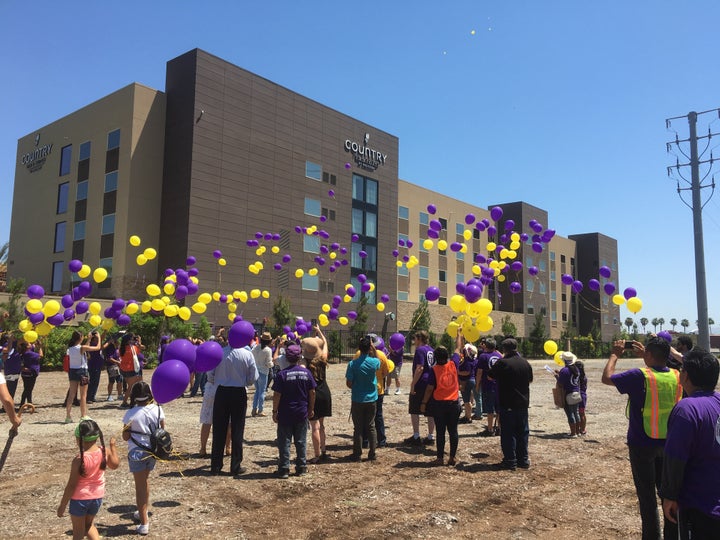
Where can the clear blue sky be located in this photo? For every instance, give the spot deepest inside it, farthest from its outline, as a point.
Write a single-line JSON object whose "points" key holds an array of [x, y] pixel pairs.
{"points": [[558, 103]]}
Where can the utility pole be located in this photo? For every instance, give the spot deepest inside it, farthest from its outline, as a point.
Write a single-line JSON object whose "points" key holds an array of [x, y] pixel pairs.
{"points": [[695, 185]]}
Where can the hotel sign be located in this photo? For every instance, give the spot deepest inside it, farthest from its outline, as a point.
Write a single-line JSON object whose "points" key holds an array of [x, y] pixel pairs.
{"points": [[35, 159], [365, 157]]}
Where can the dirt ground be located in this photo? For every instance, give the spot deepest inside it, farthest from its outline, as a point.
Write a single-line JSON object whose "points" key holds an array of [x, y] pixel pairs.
{"points": [[574, 488]]}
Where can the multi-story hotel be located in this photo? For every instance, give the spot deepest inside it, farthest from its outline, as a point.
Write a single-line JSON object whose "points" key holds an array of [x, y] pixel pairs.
{"points": [[223, 158]]}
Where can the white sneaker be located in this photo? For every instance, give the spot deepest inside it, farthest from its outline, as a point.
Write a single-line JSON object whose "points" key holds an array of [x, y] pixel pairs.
{"points": [[143, 529], [398, 391], [136, 515], [110, 398]]}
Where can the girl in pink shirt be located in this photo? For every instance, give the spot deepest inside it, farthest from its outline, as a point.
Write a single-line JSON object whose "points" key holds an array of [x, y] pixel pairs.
{"points": [[85, 488]]}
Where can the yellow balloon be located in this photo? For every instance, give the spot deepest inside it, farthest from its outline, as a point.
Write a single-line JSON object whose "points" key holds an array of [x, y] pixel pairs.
{"points": [[502, 265], [512, 254], [494, 264], [467, 234], [398, 264], [25, 325], [515, 237], [514, 245], [194, 279], [313, 272], [458, 303], [380, 306], [372, 286], [332, 255], [259, 265], [428, 244], [325, 308], [44, 328], [452, 329], [618, 299], [491, 246], [216, 296], [463, 248], [236, 294], [94, 309], [299, 273], [476, 270], [471, 333], [157, 305], [131, 309], [232, 308], [259, 251], [253, 269], [485, 324], [243, 296], [107, 324], [255, 293], [410, 264], [134, 240], [442, 245], [150, 253], [501, 278], [231, 317], [30, 336], [95, 320], [504, 253], [634, 304], [141, 260], [199, 308], [323, 319], [343, 320], [171, 277], [558, 358], [550, 347], [347, 298], [152, 290], [171, 310], [51, 308], [275, 250], [84, 271], [205, 298], [100, 275], [34, 305], [265, 294], [473, 310], [184, 313], [146, 306], [169, 288], [222, 261]]}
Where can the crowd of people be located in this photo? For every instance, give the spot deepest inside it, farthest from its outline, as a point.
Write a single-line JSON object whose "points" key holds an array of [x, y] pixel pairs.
{"points": [[673, 434]]}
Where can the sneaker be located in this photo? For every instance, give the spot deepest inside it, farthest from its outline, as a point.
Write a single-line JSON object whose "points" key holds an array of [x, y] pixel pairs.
{"points": [[324, 457], [525, 465], [239, 471], [110, 398], [301, 471], [427, 441], [143, 529], [504, 466], [496, 431], [354, 457], [68, 420], [413, 441], [283, 474], [398, 391]]}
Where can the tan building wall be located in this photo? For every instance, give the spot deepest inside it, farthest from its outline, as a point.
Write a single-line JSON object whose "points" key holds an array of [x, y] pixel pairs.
{"points": [[562, 305]]}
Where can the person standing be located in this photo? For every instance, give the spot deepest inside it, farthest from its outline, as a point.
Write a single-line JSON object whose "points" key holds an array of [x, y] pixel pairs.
{"points": [[95, 362], [513, 375], [315, 355], [396, 357], [466, 355], [386, 367], [360, 378], [690, 487], [264, 362], [231, 377], [112, 365], [78, 374], [423, 361], [569, 378], [130, 366], [30, 370], [488, 386], [293, 405], [652, 393]]}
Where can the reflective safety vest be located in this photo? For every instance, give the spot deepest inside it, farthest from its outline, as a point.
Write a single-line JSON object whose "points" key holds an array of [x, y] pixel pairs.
{"points": [[662, 392], [446, 382]]}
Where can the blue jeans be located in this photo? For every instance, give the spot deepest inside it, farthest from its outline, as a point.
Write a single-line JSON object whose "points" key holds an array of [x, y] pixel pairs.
{"points": [[199, 384], [285, 434], [573, 413], [514, 435], [260, 389], [477, 394]]}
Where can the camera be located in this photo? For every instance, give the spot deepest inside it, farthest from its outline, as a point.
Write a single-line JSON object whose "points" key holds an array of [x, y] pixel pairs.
{"points": [[628, 344]]}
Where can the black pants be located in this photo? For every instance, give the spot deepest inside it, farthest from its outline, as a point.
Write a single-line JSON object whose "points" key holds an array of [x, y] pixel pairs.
{"points": [[28, 385], [446, 415], [695, 525], [93, 383], [230, 407], [646, 463], [12, 387]]}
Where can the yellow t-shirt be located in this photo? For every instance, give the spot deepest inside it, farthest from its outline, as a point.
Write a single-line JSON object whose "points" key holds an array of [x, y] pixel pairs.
{"points": [[387, 366]]}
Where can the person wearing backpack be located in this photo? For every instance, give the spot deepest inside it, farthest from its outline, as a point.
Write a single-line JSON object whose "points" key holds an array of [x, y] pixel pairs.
{"points": [[140, 423], [652, 393]]}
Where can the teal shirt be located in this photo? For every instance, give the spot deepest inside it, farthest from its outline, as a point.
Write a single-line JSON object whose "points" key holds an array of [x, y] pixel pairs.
{"points": [[361, 373]]}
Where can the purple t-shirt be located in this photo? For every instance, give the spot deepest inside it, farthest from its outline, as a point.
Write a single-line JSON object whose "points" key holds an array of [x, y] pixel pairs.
{"points": [[694, 437], [423, 357], [95, 360], [13, 364], [31, 360], [465, 363], [396, 357], [570, 381], [632, 383], [294, 385], [485, 362]]}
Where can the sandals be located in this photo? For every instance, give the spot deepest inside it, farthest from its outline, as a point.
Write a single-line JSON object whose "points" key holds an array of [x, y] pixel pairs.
{"points": [[314, 461]]}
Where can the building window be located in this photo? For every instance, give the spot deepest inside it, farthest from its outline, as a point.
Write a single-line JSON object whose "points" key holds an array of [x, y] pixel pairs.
{"points": [[65, 159], [358, 188], [310, 283], [402, 296], [564, 317], [62, 199], [530, 285], [553, 316], [311, 244], [113, 139], [476, 234], [84, 151], [327, 286], [530, 309], [552, 275], [542, 288], [424, 272], [403, 212], [79, 232], [562, 259], [442, 301], [82, 191], [111, 181], [312, 207], [329, 214], [371, 191], [370, 224], [442, 276], [460, 256], [108, 224], [403, 238], [424, 218], [58, 268], [552, 256], [563, 297], [329, 178], [541, 264], [528, 261], [553, 295], [357, 221], [402, 270], [422, 248], [370, 262], [60, 237], [443, 222], [314, 171], [107, 264], [459, 278], [459, 228]]}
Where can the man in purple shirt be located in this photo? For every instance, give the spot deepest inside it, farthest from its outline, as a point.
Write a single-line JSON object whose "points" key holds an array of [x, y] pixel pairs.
{"points": [[488, 386], [646, 453], [423, 361], [691, 471], [293, 404]]}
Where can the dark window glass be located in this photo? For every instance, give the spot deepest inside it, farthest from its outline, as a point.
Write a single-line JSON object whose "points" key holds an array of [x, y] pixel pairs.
{"points": [[57, 276], [106, 263], [65, 159], [112, 159], [106, 245], [78, 249], [83, 170], [60, 237], [84, 151], [442, 301], [109, 200], [113, 139], [358, 188], [62, 199], [443, 222], [80, 210]]}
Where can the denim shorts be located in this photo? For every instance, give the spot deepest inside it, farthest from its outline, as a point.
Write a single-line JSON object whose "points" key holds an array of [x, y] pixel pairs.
{"points": [[488, 401], [140, 460], [466, 389], [129, 374], [75, 373], [87, 507]]}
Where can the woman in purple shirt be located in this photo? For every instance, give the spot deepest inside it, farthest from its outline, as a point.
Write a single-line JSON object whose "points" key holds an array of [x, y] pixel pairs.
{"points": [[30, 370], [569, 378]]}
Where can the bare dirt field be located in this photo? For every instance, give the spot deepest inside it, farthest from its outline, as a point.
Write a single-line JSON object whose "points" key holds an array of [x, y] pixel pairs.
{"points": [[575, 488]]}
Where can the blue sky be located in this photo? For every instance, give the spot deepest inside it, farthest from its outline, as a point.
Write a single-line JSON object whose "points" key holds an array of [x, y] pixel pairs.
{"points": [[558, 103]]}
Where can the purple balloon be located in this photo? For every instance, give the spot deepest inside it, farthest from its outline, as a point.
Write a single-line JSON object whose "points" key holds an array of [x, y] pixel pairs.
{"points": [[533, 271], [509, 225], [566, 279], [56, 320], [496, 213], [286, 258], [277, 266], [362, 254], [431, 208], [333, 314], [240, 334], [455, 247], [348, 166], [75, 265], [124, 320], [81, 307], [352, 315], [409, 244], [192, 288], [351, 292], [69, 314], [577, 286], [664, 334], [169, 381], [362, 278], [35, 292], [168, 272], [36, 318], [473, 293], [629, 293], [537, 247], [609, 288], [460, 287], [433, 234], [480, 226], [217, 253], [432, 293], [491, 230], [593, 284], [181, 292], [183, 350], [435, 225], [537, 228], [469, 219], [85, 288], [67, 301], [524, 237], [190, 261], [76, 294], [354, 238], [516, 266], [515, 287], [480, 258], [401, 242], [208, 356], [365, 287], [605, 272], [548, 235], [118, 304], [385, 298], [397, 342]]}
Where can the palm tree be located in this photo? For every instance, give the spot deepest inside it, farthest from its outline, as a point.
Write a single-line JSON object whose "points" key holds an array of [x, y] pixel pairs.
{"points": [[685, 323], [643, 323], [655, 323], [629, 322], [710, 323], [634, 331], [661, 321], [673, 321]]}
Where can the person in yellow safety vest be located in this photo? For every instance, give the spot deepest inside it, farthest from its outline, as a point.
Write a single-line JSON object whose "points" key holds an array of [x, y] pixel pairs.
{"points": [[652, 392]]}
